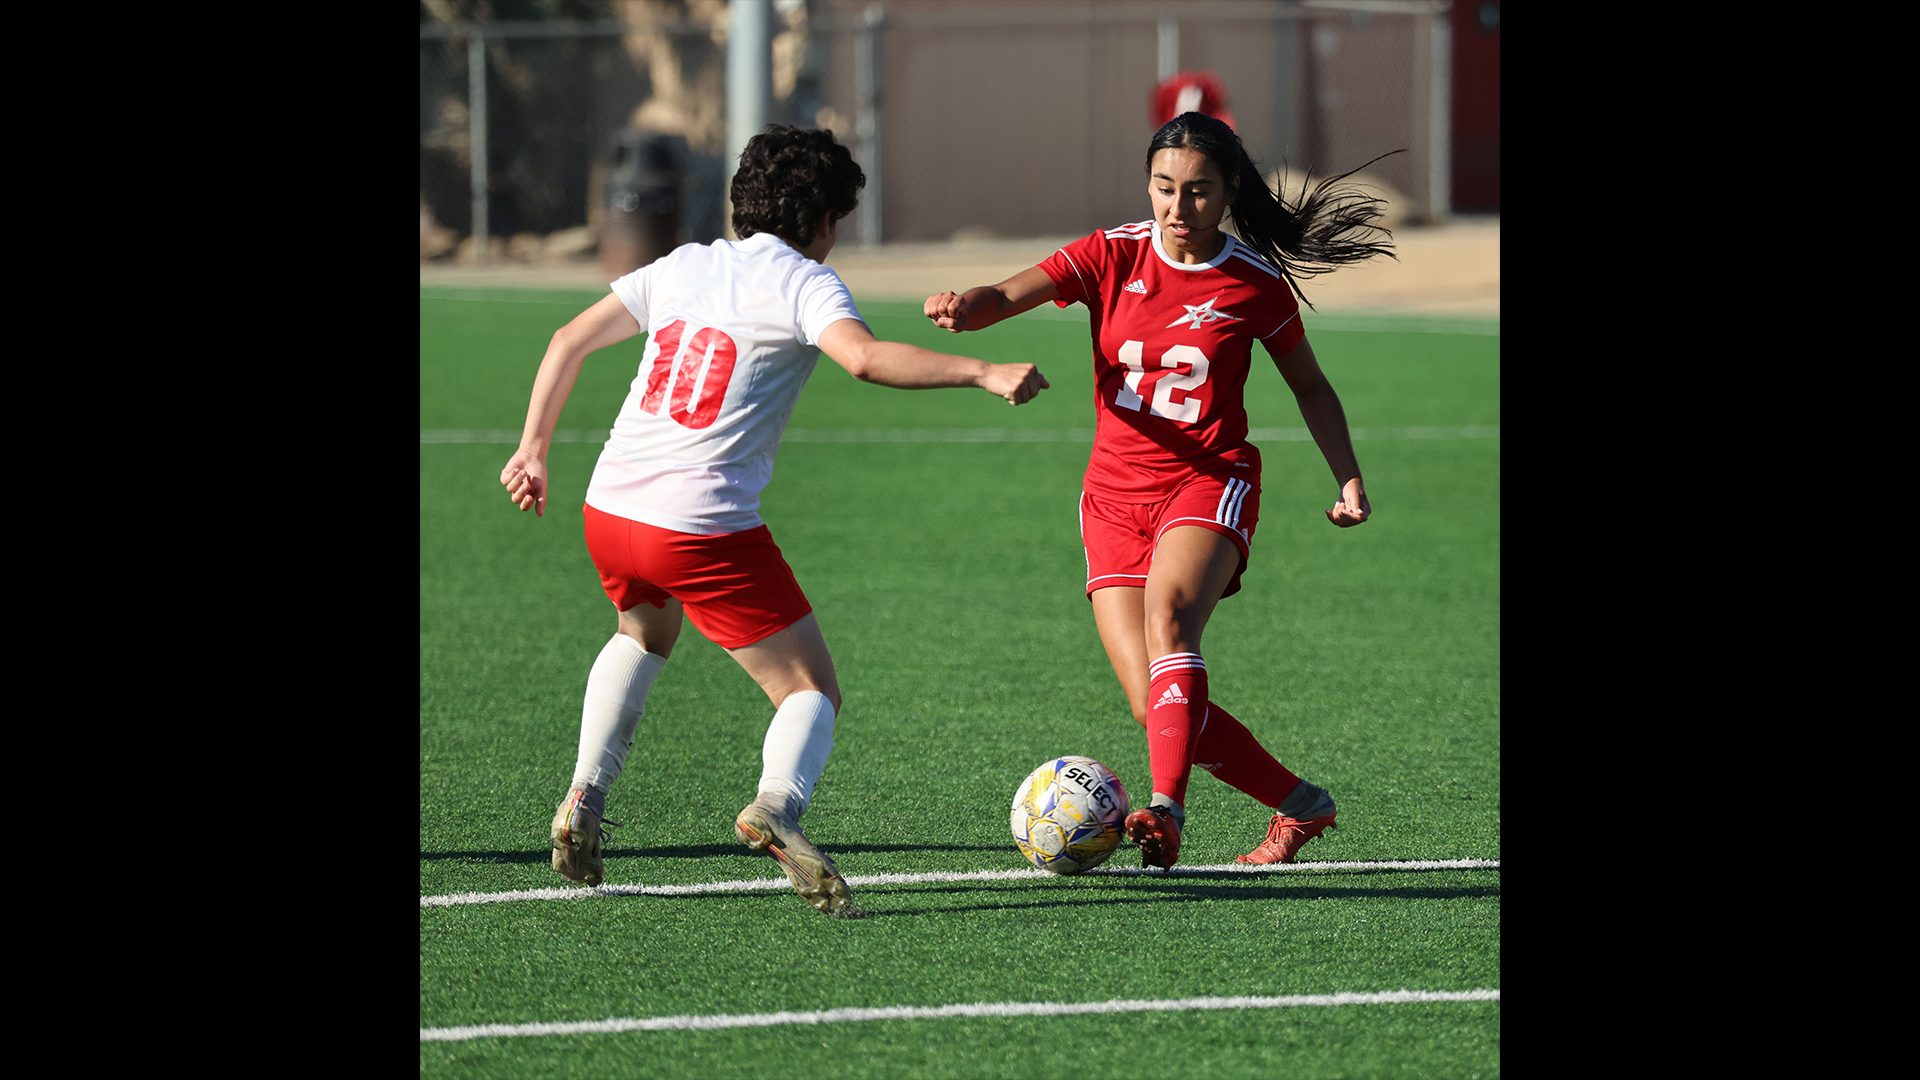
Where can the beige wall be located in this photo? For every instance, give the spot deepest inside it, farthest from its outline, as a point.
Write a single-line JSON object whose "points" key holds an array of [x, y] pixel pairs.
{"points": [[998, 127]]}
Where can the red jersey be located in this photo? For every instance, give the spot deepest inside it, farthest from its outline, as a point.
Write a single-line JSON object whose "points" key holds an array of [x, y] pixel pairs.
{"points": [[1172, 346]]}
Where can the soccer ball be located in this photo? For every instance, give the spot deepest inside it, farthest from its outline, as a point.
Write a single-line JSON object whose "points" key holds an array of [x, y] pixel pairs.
{"points": [[1067, 815]]}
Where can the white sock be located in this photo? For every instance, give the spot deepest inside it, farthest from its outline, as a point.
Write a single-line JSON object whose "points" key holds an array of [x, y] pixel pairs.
{"points": [[798, 742], [617, 690]]}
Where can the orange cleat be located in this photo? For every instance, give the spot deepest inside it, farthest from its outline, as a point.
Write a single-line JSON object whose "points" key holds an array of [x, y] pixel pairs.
{"points": [[1157, 833], [1285, 838]]}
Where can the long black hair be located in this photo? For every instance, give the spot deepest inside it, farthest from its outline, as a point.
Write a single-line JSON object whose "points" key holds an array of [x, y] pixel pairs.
{"points": [[1327, 227]]}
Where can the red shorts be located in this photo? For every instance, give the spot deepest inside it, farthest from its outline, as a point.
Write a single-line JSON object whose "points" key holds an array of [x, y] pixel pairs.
{"points": [[1120, 537], [735, 588]]}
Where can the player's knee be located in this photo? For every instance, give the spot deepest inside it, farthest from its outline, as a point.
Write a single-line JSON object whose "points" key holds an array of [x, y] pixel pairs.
{"points": [[1171, 627]]}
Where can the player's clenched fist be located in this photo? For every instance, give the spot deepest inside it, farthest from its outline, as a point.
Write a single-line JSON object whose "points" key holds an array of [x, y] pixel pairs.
{"points": [[1018, 383], [948, 312], [1353, 507]]}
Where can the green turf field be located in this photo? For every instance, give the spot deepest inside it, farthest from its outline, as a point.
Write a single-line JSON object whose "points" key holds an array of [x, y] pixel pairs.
{"points": [[945, 567]]}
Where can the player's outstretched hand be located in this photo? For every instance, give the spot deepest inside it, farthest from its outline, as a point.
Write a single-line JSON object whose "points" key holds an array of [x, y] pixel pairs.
{"points": [[1018, 383], [525, 479], [1353, 508], [947, 311]]}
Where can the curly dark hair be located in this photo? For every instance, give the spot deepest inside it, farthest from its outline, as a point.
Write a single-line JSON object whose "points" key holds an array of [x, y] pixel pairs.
{"points": [[789, 178]]}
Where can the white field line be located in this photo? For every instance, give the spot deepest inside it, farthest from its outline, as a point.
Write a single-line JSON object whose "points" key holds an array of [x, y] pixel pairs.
{"points": [[503, 437], [757, 884], [936, 1012]]}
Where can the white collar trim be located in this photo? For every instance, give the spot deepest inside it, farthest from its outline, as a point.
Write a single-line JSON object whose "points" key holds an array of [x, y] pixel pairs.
{"points": [[1226, 250]]}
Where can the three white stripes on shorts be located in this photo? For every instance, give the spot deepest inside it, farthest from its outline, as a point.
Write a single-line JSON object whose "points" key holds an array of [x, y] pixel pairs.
{"points": [[1229, 512]]}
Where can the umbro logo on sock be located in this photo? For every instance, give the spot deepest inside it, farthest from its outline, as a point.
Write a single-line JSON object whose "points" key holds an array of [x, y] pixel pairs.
{"points": [[1138, 285], [1173, 696]]}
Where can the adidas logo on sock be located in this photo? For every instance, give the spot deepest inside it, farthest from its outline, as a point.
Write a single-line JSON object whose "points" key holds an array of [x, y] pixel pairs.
{"points": [[1138, 285], [1173, 696]]}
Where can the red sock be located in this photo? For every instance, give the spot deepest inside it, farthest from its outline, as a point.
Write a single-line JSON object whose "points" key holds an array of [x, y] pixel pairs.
{"points": [[1229, 751], [1176, 702]]}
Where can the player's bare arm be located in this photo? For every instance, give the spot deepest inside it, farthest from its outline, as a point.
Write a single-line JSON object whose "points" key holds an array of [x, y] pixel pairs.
{"points": [[1327, 423], [605, 323], [909, 367], [979, 308]]}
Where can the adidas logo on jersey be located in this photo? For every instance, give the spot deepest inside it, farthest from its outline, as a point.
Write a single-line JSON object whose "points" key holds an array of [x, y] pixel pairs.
{"points": [[1138, 285], [1173, 696]]}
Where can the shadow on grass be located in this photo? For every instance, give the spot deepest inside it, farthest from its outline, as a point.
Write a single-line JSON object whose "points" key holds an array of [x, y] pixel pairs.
{"points": [[1114, 891]]}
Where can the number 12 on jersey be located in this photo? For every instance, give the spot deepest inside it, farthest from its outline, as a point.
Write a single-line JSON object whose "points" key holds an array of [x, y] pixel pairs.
{"points": [[1183, 368]]}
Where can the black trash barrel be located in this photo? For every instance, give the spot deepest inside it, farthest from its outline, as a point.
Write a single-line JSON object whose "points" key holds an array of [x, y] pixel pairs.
{"points": [[643, 202]]}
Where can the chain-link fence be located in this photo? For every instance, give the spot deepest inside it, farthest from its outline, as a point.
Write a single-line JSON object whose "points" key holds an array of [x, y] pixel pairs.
{"points": [[971, 117], [556, 99]]}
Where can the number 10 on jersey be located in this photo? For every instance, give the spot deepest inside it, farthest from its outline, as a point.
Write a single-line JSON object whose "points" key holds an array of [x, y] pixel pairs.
{"points": [[1183, 369], [707, 360]]}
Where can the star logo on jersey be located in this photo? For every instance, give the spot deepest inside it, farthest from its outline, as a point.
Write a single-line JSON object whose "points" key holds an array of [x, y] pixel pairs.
{"points": [[1138, 285], [1201, 315]]}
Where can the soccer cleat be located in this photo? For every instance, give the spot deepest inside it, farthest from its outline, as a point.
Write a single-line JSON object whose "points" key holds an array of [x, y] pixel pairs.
{"points": [[1158, 834], [1285, 838], [769, 825], [577, 830]]}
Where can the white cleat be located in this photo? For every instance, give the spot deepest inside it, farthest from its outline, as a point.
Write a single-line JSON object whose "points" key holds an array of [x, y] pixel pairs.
{"points": [[768, 825]]}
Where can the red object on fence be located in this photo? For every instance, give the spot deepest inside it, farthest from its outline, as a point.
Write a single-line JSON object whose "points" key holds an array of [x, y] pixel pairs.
{"points": [[1188, 91]]}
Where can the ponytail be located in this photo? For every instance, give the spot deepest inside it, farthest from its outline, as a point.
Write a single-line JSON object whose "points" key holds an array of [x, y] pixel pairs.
{"points": [[1327, 227]]}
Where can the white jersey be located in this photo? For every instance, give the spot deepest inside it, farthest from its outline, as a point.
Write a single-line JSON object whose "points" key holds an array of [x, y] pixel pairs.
{"points": [[732, 334]]}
